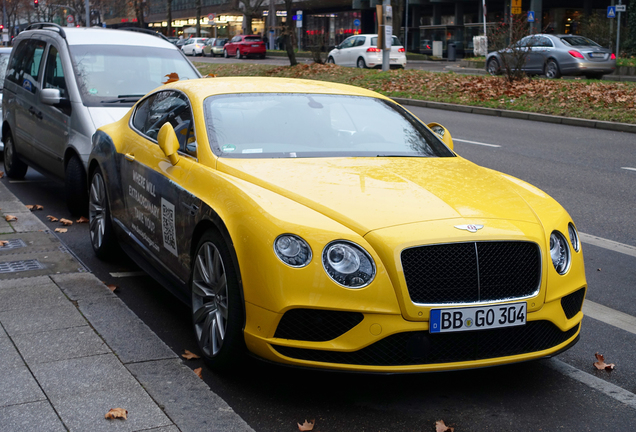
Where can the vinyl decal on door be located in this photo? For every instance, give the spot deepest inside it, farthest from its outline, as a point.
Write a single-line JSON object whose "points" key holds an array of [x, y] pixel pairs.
{"points": [[168, 227]]}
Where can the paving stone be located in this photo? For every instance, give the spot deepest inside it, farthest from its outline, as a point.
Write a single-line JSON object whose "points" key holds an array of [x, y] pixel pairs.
{"points": [[12, 207], [162, 429], [51, 346], [186, 398], [35, 416], [5, 227], [21, 282], [18, 386], [82, 286], [63, 315], [9, 356], [25, 295], [27, 222], [123, 331]]}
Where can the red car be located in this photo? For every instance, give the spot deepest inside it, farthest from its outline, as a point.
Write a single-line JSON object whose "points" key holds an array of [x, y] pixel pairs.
{"points": [[245, 45]]}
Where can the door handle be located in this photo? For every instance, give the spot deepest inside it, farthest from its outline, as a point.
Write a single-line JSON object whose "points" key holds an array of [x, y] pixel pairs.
{"points": [[129, 157]]}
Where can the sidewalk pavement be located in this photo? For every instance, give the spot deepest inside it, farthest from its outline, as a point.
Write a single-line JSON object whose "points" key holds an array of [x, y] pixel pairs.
{"points": [[70, 350]]}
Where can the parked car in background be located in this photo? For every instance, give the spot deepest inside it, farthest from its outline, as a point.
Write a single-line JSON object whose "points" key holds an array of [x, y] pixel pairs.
{"points": [[557, 55], [5, 53], [268, 206], [244, 46], [193, 46], [207, 47], [217, 48], [362, 51], [62, 83], [173, 39]]}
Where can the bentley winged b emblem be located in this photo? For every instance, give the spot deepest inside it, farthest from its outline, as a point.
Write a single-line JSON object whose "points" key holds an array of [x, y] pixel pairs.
{"points": [[470, 227]]}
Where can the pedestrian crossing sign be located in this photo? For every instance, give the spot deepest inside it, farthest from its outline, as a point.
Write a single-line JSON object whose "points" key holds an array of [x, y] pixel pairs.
{"points": [[530, 16], [611, 11]]}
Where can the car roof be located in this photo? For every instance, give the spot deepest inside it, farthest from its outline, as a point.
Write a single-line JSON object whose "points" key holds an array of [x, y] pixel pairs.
{"points": [[102, 36]]}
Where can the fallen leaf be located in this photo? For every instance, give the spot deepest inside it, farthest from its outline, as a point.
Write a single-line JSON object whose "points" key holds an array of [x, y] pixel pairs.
{"points": [[598, 269], [307, 426], [30, 207], [112, 287], [82, 220], [600, 363], [66, 222], [117, 413], [441, 427], [1, 174], [189, 355], [61, 230], [211, 75], [198, 372], [39, 207], [52, 218], [3, 243], [172, 77], [10, 218]]}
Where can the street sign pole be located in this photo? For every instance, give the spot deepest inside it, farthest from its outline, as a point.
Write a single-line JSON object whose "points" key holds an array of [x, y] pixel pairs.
{"points": [[387, 17], [618, 28], [483, 7]]}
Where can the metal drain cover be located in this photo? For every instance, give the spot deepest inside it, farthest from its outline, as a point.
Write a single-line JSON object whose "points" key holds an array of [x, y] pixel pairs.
{"points": [[13, 244], [18, 266]]}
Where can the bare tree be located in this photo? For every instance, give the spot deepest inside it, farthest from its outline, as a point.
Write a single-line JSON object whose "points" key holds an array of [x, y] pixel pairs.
{"points": [[506, 38], [169, 16], [251, 9], [289, 32]]}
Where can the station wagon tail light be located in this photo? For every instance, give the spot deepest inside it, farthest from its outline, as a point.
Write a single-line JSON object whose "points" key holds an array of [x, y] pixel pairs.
{"points": [[372, 49], [576, 54], [401, 50], [613, 56]]}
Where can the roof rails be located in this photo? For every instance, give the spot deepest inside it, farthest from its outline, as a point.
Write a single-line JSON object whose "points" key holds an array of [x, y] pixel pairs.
{"points": [[147, 31], [47, 26]]}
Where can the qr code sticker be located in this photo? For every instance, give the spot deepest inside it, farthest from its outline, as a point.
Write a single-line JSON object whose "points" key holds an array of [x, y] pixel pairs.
{"points": [[168, 226]]}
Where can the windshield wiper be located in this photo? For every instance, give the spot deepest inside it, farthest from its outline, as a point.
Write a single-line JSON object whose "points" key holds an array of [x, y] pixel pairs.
{"points": [[124, 99]]}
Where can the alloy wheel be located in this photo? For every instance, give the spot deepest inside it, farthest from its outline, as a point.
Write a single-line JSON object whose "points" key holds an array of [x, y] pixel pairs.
{"points": [[97, 211]]}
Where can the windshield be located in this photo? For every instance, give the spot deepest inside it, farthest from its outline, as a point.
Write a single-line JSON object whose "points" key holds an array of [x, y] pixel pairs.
{"points": [[394, 41], [220, 42], [579, 41], [313, 125], [118, 74]]}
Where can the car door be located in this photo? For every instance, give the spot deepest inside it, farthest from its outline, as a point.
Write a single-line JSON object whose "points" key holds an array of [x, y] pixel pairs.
{"points": [[159, 211], [535, 54], [345, 53], [51, 137]]}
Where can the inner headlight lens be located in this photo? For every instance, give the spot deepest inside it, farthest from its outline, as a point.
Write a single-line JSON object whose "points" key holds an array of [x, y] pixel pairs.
{"points": [[559, 252], [348, 264], [574, 237], [292, 250]]}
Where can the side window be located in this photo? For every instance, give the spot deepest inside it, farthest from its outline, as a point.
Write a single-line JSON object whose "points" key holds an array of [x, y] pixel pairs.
{"points": [[545, 42], [236, 39], [24, 69], [53, 72], [360, 41], [348, 43], [167, 106]]}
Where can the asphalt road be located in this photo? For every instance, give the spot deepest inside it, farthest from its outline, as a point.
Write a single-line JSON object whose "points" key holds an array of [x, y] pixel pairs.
{"points": [[584, 169]]}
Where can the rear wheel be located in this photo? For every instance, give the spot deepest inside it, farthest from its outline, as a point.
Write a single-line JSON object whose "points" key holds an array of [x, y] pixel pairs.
{"points": [[493, 67], [361, 64], [225, 54], [13, 166], [100, 225], [552, 69], [217, 309], [76, 190]]}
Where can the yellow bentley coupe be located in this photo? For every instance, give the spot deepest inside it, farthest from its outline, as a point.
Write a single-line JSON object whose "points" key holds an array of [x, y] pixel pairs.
{"points": [[323, 225]]}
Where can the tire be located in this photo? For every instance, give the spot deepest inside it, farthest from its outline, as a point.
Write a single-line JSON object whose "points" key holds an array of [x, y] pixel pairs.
{"points": [[361, 64], [493, 67], [596, 76], [238, 54], [552, 69], [76, 189], [100, 225], [225, 53], [217, 308], [13, 166], [331, 60]]}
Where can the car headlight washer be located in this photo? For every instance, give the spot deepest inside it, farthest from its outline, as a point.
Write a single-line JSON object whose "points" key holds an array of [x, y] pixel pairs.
{"points": [[560, 252], [292, 250], [348, 264], [574, 237]]}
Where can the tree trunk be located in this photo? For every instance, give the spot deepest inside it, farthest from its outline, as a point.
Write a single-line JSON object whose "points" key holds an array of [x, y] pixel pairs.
{"points": [[198, 12], [169, 16], [288, 31]]}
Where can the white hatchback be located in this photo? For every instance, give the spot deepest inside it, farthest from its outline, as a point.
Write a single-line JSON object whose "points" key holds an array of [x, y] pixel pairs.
{"points": [[362, 51]]}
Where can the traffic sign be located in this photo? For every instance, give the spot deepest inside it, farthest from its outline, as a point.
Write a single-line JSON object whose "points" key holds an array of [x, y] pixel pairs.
{"points": [[621, 8], [356, 22], [516, 10], [530, 16], [70, 19], [211, 17], [611, 11]]}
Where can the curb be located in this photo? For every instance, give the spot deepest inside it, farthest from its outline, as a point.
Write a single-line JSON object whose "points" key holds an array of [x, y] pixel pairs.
{"points": [[570, 121]]}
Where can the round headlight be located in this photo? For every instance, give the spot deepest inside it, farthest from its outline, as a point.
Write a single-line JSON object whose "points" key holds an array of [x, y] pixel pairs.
{"points": [[559, 252], [574, 237], [348, 264], [292, 250]]}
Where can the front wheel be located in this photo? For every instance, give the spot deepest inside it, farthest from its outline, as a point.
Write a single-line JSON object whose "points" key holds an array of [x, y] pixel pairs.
{"points": [[552, 69], [13, 166], [361, 64], [330, 60], [493, 67], [217, 309], [100, 225], [238, 53], [76, 191]]}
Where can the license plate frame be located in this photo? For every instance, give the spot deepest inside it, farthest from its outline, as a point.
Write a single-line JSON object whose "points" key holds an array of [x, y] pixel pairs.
{"points": [[471, 318]]}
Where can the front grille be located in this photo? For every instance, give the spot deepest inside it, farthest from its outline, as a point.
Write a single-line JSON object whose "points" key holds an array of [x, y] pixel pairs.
{"points": [[420, 348], [472, 272], [572, 303], [316, 325]]}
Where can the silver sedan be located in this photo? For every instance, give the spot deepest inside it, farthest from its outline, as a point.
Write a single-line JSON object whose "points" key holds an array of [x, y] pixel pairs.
{"points": [[556, 55]]}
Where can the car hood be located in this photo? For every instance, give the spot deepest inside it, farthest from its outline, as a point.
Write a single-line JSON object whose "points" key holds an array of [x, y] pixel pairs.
{"points": [[367, 194], [102, 116]]}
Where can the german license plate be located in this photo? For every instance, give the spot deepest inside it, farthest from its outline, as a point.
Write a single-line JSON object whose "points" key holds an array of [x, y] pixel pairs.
{"points": [[477, 317], [255, 45], [597, 55]]}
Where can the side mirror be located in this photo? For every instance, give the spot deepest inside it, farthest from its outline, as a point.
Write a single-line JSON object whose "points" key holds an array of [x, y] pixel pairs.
{"points": [[442, 133], [50, 96], [168, 142]]}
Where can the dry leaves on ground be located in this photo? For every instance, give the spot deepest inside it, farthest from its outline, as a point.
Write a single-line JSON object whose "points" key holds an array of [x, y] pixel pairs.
{"points": [[307, 426], [82, 220], [199, 373], [1, 174], [190, 355], [3, 243], [52, 218], [34, 207], [61, 230], [600, 363], [441, 427], [112, 287], [115, 413], [10, 218], [66, 222]]}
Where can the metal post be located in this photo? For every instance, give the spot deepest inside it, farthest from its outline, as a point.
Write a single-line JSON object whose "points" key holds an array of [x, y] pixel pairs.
{"points": [[618, 31], [272, 23], [406, 29], [88, 14], [386, 54], [483, 7]]}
